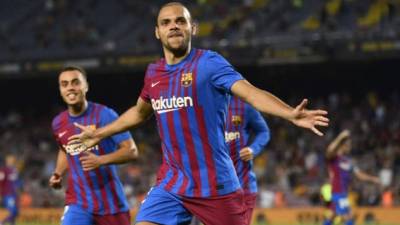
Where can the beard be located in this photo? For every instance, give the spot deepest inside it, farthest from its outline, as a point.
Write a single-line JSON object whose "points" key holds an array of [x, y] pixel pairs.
{"points": [[179, 50]]}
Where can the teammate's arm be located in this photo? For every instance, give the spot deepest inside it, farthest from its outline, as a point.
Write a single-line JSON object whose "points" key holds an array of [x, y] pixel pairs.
{"points": [[130, 119], [333, 147], [266, 102], [261, 132], [61, 167], [366, 177], [126, 152]]}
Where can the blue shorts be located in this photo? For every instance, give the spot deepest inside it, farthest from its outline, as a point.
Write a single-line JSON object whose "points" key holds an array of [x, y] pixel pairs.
{"points": [[340, 203], [10, 202], [163, 207], [76, 215]]}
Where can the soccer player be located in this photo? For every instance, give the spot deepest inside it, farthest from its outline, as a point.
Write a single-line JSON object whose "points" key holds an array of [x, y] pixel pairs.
{"points": [[9, 189], [341, 169], [242, 122], [94, 194], [188, 91]]}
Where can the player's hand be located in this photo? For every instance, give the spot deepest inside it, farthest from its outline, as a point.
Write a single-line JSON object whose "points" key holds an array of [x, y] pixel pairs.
{"points": [[246, 154], [344, 134], [90, 161], [87, 136], [55, 181], [309, 118]]}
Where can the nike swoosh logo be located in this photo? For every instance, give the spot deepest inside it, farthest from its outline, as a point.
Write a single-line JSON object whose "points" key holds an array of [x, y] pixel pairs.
{"points": [[154, 84], [62, 134], [167, 110]]}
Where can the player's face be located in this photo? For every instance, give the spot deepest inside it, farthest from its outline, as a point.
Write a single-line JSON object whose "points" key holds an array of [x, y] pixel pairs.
{"points": [[174, 28], [73, 87]]}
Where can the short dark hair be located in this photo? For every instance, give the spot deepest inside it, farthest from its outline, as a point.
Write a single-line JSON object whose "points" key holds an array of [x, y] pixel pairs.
{"points": [[171, 4], [75, 68]]}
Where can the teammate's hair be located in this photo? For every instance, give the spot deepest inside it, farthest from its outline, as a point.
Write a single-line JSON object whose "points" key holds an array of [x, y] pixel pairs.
{"points": [[75, 68], [172, 4]]}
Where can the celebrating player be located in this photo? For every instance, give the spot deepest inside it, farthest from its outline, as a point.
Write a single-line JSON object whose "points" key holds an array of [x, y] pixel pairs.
{"points": [[188, 91], [341, 169], [94, 194], [243, 121]]}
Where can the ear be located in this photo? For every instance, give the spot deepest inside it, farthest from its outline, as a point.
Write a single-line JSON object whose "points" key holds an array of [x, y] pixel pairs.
{"points": [[156, 33], [195, 29]]}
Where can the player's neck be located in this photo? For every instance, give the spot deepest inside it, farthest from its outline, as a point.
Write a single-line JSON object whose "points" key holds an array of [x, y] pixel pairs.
{"points": [[78, 109], [173, 58]]}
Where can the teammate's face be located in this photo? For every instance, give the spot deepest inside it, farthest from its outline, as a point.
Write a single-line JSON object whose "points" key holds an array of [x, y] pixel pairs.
{"points": [[174, 28], [73, 87]]}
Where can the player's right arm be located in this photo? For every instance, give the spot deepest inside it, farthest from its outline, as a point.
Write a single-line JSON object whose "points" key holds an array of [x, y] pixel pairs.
{"points": [[61, 167], [130, 119], [334, 146]]}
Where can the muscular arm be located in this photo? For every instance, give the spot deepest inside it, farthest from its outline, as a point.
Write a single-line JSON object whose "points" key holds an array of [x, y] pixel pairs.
{"points": [[366, 177], [261, 100], [267, 103], [61, 167], [334, 146], [62, 163], [129, 119]]}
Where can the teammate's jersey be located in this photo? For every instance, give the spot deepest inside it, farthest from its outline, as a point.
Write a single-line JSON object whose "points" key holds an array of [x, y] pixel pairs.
{"points": [[242, 121], [190, 103], [8, 181], [340, 172], [100, 190]]}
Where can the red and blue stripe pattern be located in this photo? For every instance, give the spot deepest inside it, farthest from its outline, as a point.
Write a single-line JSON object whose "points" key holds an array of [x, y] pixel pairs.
{"points": [[340, 170], [244, 122], [99, 191], [190, 103]]}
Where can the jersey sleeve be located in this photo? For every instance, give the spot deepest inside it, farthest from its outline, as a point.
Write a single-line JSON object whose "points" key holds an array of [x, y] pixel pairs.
{"points": [[144, 94], [53, 130], [259, 127], [222, 73], [108, 116]]}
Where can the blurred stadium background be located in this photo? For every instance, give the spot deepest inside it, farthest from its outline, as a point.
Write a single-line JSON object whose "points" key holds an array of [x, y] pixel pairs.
{"points": [[341, 54]]}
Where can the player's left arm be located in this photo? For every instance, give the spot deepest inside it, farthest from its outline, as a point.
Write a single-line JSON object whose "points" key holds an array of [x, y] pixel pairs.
{"points": [[267, 103], [259, 127], [366, 177], [127, 151]]}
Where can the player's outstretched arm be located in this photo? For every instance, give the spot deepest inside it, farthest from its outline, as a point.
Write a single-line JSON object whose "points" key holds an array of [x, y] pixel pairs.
{"points": [[367, 177], [266, 102], [126, 152], [61, 167], [333, 147], [129, 119]]}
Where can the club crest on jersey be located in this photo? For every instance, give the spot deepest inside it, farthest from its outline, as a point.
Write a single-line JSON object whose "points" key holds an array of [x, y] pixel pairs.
{"points": [[186, 79], [236, 120]]}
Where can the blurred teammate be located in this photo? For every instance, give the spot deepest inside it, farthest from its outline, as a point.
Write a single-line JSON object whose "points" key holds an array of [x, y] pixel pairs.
{"points": [[243, 121], [341, 170], [9, 189], [94, 194], [188, 90]]}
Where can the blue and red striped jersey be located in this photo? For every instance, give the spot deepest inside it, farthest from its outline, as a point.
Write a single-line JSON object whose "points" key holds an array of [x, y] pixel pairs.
{"points": [[190, 102], [100, 190], [242, 123], [340, 172], [8, 181]]}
